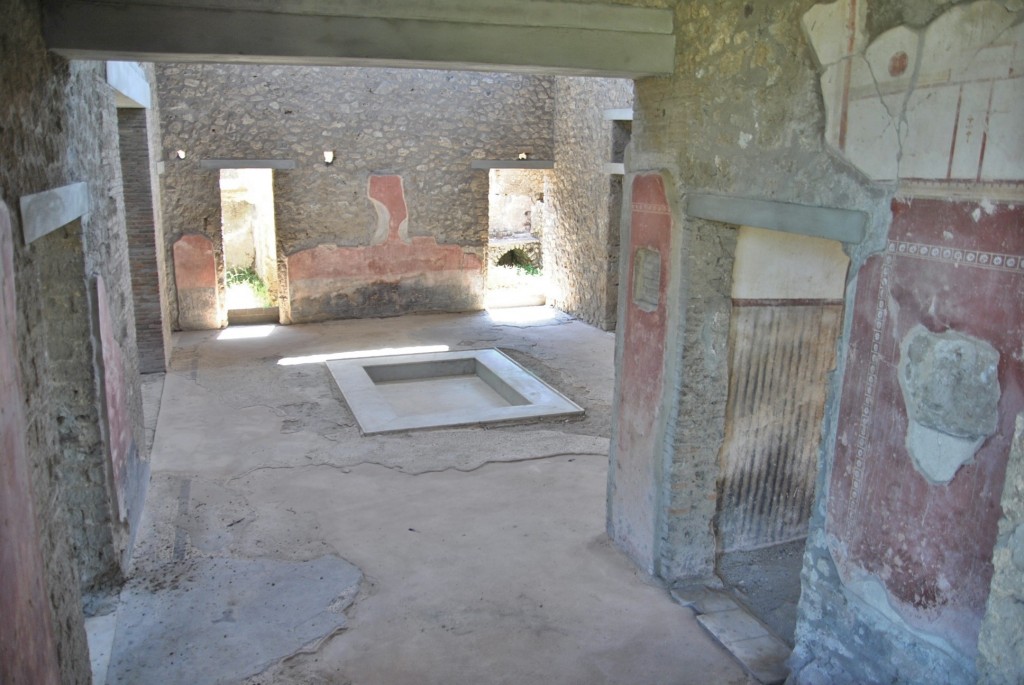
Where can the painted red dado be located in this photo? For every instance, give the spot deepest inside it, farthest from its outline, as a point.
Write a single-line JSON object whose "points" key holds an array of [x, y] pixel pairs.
{"points": [[195, 279], [643, 360], [27, 649], [122, 446], [194, 263], [948, 266], [333, 280]]}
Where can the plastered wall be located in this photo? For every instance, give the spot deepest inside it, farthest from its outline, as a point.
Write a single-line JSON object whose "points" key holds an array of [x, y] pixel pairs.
{"points": [[425, 127], [59, 126]]}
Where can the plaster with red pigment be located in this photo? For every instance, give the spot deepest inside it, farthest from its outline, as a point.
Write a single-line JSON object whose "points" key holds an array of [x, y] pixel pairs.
{"points": [[194, 264], [195, 278], [948, 266], [632, 505], [121, 443], [388, 197], [27, 649], [379, 279]]}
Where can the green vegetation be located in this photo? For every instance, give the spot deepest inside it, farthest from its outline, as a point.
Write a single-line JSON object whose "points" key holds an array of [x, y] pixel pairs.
{"points": [[246, 290]]}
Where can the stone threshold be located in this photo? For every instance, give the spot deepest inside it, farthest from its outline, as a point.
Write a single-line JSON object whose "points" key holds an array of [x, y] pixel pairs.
{"points": [[757, 649]]}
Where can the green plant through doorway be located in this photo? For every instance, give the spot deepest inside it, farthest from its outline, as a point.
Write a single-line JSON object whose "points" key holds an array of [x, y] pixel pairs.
{"points": [[246, 290]]}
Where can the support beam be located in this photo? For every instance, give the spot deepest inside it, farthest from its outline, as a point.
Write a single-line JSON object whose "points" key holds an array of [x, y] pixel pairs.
{"points": [[517, 35], [216, 164], [45, 212], [844, 225]]}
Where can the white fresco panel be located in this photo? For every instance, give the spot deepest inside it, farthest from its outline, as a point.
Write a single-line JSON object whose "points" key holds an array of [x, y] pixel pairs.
{"points": [[1004, 147], [970, 130], [931, 118]]}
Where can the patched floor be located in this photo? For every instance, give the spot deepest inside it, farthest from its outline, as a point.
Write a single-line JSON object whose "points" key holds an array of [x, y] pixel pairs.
{"points": [[482, 551]]}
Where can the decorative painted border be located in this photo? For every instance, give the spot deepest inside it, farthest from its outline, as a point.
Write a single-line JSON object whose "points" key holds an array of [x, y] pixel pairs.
{"points": [[651, 208], [868, 405], [951, 255]]}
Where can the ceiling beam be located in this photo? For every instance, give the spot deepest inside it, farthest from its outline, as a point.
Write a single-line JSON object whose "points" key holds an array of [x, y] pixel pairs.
{"points": [[533, 36]]}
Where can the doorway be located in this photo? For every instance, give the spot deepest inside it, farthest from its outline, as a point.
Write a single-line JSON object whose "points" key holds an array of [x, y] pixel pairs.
{"points": [[517, 218], [787, 305], [250, 245]]}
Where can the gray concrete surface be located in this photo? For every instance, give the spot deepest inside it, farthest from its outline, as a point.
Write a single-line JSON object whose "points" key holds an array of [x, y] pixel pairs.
{"points": [[483, 551]]}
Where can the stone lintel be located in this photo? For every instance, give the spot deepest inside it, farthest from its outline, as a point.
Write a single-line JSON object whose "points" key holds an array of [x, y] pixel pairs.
{"points": [[844, 225], [45, 212], [247, 164], [623, 114], [553, 37], [512, 164]]}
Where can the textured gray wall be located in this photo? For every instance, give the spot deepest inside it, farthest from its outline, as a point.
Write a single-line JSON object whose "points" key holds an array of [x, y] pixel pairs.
{"points": [[425, 126], [582, 255], [58, 126]]}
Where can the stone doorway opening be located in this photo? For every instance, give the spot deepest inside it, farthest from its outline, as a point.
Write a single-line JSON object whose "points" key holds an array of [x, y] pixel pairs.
{"points": [[250, 245], [787, 310], [517, 219]]}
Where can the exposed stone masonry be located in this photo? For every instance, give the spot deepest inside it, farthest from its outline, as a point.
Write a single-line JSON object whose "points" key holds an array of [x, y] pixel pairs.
{"points": [[58, 125], [583, 254], [425, 126]]}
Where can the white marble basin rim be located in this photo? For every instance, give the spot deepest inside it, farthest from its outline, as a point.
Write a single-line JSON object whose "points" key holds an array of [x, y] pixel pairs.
{"points": [[431, 390]]}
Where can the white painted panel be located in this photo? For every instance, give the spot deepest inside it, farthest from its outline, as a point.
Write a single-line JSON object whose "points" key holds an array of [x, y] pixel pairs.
{"points": [[970, 130], [828, 27], [776, 265], [992, 62], [931, 120], [1004, 149], [871, 139]]}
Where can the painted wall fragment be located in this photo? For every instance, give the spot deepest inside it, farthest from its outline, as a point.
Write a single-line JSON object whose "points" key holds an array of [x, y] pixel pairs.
{"points": [[123, 452], [27, 648], [635, 459], [395, 274], [951, 392], [940, 103], [195, 275], [917, 548]]}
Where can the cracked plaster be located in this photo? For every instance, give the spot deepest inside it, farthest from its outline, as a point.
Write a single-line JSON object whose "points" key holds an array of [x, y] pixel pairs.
{"points": [[927, 104]]}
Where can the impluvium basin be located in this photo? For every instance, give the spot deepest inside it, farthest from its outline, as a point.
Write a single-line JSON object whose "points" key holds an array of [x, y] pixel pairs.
{"points": [[415, 391]]}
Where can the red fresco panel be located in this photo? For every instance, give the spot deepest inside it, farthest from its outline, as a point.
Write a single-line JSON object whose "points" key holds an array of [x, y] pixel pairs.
{"points": [[27, 649], [948, 266], [194, 264], [643, 360], [115, 386]]}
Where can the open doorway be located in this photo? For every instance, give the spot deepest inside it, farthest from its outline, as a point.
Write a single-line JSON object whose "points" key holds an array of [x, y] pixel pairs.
{"points": [[250, 245], [787, 305], [517, 219]]}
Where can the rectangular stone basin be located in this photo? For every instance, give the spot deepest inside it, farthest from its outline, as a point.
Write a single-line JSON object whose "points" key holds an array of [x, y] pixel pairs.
{"points": [[414, 391]]}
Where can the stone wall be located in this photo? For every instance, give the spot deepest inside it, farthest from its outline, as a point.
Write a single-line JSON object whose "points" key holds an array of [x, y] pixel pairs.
{"points": [[145, 233], [62, 126], [422, 126], [757, 109], [582, 255], [58, 126]]}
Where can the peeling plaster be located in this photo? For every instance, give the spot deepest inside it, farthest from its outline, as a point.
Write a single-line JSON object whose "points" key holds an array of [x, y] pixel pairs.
{"points": [[931, 104]]}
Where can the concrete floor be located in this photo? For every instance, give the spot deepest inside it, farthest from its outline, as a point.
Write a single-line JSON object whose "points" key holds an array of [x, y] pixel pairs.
{"points": [[482, 550]]}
